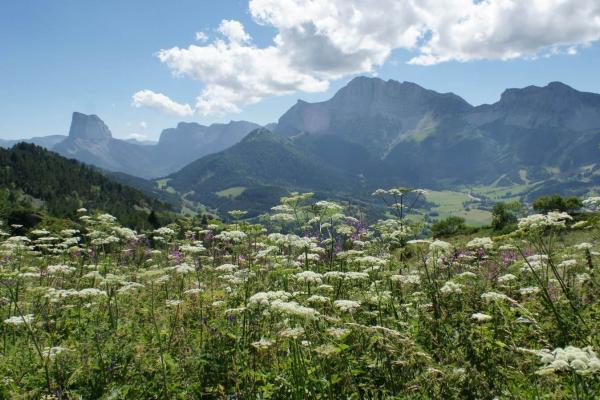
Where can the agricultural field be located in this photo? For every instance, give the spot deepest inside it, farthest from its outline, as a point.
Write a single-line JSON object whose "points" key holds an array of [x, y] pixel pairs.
{"points": [[312, 304], [453, 203]]}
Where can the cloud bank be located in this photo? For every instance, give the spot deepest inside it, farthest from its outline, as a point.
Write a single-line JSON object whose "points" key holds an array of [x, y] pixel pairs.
{"points": [[318, 41], [159, 101]]}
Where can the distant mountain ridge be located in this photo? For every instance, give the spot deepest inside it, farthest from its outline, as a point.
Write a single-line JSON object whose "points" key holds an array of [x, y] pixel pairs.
{"points": [[371, 133], [91, 142], [44, 141], [426, 137], [374, 133], [190, 141]]}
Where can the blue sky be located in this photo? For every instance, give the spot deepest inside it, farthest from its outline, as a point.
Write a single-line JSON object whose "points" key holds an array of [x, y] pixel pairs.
{"points": [[62, 56]]}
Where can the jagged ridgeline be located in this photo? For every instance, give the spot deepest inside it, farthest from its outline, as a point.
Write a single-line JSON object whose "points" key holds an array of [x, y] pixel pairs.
{"points": [[34, 180], [534, 141]]}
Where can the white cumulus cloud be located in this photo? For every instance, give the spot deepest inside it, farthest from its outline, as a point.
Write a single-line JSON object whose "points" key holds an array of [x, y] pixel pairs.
{"points": [[506, 29], [159, 101], [318, 41], [201, 37], [234, 31]]}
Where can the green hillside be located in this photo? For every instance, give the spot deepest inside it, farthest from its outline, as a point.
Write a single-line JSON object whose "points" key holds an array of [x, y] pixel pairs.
{"points": [[35, 180], [258, 171]]}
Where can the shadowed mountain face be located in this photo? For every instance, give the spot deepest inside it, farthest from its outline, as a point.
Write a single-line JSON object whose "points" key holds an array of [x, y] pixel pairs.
{"points": [[91, 141], [256, 172], [373, 113], [427, 138]]}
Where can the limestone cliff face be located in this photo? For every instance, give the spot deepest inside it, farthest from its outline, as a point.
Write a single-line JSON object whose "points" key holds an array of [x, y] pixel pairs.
{"points": [[372, 112], [88, 127], [91, 142]]}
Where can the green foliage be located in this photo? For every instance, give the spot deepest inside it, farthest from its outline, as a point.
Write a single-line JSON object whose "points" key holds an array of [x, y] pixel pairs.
{"points": [[314, 304], [449, 226], [35, 179], [270, 166], [555, 202], [505, 215]]}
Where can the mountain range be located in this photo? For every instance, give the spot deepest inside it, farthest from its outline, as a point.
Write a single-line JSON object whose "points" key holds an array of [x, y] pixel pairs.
{"points": [[90, 141], [371, 133], [374, 133], [435, 139]]}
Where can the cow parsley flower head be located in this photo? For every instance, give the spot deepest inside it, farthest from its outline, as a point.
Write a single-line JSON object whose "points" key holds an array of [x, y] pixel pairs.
{"points": [[356, 276], [173, 302], [480, 243], [265, 298], [193, 291], [529, 290], [592, 203], [19, 320], [451, 287], [52, 352], [291, 333], [580, 225], [495, 296], [419, 242], [328, 206], [317, 299], [130, 287], [282, 217], [536, 222], [338, 333], [59, 269], [467, 274], [262, 344], [237, 214], [439, 246], [583, 361], [294, 309], [183, 269], [481, 317], [231, 236], [192, 249], [91, 292], [164, 231], [583, 246], [346, 305], [411, 279], [568, 263], [229, 268], [308, 277]]}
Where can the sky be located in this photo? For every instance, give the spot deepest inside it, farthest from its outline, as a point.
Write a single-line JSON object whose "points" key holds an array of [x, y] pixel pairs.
{"points": [[144, 65]]}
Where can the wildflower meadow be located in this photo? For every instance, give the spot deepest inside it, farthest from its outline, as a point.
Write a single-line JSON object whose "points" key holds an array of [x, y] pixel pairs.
{"points": [[309, 302]]}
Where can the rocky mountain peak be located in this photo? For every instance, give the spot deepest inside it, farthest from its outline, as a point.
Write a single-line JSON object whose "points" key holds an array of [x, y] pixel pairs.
{"points": [[556, 97], [89, 127]]}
